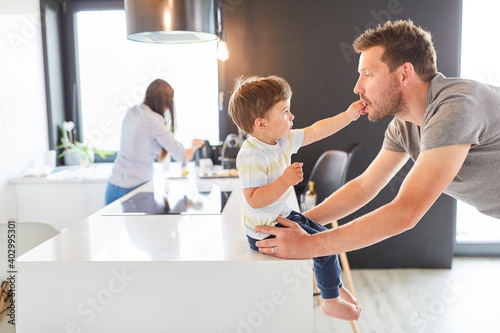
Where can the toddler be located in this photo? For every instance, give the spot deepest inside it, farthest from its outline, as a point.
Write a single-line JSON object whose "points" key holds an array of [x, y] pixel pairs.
{"points": [[260, 107]]}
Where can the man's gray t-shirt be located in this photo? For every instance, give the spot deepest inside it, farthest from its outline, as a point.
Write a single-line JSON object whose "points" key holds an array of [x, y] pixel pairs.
{"points": [[459, 112]]}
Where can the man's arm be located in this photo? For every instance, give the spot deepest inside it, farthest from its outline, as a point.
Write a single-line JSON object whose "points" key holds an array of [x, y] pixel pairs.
{"points": [[432, 173], [361, 190], [326, 127]]}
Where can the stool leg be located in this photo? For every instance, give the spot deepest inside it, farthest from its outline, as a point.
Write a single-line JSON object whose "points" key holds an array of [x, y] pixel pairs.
{"points": [[346, 270], [354, 326], [316, 290]]}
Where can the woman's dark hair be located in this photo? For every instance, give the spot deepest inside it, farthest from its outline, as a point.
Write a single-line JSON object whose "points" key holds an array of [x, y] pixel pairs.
{"points": [[160, 97]]}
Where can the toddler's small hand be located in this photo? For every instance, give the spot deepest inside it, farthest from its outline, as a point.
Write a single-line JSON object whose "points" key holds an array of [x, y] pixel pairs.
{"points": [[356, 109], [293, 174]]}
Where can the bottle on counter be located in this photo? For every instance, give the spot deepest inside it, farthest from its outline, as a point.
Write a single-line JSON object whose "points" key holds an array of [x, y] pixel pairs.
{"points": [[309, 197]]}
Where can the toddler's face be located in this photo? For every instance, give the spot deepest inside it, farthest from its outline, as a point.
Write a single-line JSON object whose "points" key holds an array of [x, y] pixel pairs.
{"points": [[279, 120]]}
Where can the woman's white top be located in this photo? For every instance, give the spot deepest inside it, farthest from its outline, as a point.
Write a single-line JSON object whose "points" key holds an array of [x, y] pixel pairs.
{"points": [[143, 135]]}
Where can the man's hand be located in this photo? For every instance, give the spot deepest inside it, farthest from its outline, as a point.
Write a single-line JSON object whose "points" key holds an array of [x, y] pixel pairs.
{"points": [[291, 242], [293, 174]]}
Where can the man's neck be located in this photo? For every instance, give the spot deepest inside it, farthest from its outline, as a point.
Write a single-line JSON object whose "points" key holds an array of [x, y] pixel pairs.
{"points": [[416, 97]]}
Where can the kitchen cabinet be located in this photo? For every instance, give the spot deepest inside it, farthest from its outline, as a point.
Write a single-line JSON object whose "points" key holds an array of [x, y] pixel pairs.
{"points": [[62, 200]]}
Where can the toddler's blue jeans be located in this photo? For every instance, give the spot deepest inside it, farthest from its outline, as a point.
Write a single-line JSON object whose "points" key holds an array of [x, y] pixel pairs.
{"points": [[327, 269]]}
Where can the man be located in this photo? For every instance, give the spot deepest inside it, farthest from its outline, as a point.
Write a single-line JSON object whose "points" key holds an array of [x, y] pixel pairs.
{"points": [[449, 127]]}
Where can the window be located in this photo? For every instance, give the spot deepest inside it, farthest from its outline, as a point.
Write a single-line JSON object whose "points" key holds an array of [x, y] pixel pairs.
{"points": [[479, 47], [113, 74], [478, 62]]}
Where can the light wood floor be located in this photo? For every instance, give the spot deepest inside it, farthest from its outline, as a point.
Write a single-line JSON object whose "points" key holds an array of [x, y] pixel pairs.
{"points": [[464, 299]]}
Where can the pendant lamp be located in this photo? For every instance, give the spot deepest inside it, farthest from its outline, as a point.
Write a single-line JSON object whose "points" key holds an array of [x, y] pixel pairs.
{"points": [[171, 21]]}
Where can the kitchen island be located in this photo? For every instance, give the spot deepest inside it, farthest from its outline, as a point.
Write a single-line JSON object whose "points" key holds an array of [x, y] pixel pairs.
{"points": [[119, 271]]}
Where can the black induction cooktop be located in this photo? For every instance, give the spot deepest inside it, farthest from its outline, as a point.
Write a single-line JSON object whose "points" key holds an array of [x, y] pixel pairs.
{"points": [[149, 203]]}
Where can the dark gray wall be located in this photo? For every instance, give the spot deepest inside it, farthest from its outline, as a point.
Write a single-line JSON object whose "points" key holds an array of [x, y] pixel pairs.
{"points": [[309, 44]]}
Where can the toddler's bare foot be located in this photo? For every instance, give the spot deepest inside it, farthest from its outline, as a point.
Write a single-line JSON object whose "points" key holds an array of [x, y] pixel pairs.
{"points": [[347, 296], [340, 309]]}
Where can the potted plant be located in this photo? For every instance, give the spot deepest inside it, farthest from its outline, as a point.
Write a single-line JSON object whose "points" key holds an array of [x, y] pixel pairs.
{"points": [[75, 152]]}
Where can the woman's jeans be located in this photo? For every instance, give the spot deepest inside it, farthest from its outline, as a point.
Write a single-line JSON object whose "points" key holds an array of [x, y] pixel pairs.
{"points": [[115, 192]]}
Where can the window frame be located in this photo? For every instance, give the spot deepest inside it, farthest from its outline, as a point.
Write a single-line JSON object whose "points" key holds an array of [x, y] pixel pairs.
{"points": [[65, 93], [471, 248], [72, 75], [59, 59]]}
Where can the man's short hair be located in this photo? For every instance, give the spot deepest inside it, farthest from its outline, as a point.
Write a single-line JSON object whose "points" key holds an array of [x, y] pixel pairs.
{"points": [[254, 96], [403, 42]]}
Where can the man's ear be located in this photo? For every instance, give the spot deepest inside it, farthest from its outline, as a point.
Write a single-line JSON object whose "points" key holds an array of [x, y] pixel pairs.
{"points": [[407, 72], [260, 124]]}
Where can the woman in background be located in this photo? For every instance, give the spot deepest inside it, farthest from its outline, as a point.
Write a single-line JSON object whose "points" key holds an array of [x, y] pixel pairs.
{"points": [[144, 139]]}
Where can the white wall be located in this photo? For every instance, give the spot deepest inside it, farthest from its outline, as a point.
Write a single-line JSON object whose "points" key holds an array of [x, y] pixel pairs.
{"points": [[23, 114]]}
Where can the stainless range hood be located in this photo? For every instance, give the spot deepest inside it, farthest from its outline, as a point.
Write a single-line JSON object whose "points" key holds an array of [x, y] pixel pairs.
{"points": [[171, 21]]}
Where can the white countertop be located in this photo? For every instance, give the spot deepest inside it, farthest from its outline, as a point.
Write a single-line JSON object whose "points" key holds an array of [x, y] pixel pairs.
{"points": [[168, 237], [94, 173]]}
